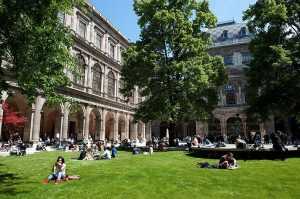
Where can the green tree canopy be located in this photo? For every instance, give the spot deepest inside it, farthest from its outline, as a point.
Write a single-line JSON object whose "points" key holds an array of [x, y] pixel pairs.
{"points": [[170, 63], [274, 73], [35, 45]]}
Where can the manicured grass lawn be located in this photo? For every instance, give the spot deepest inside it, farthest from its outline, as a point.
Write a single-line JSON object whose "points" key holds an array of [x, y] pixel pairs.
{"points": [[164, 175]]}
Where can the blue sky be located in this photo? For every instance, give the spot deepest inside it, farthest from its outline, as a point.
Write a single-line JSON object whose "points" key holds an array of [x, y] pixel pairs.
{"points": [[120, 13]]}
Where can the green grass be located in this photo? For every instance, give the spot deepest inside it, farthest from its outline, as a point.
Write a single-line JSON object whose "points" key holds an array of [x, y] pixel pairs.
{"points": [[164, 175]]}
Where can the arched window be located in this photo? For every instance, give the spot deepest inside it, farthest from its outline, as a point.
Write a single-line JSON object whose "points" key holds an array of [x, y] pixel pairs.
{"points": [[79, 75], [230, 95], [97, 78], [243, 32], [111, 84]]}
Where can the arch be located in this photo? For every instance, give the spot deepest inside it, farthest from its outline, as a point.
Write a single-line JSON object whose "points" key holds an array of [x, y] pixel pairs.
{"points": [[234, 128], [121, 128], [111, 84], [109, 126], [50, 121], [97, 78], [75, 122], [95, 124], [16, 106]]}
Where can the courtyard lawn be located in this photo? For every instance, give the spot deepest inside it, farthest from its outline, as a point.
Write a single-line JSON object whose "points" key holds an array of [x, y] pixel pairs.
{"points": [[163, 175]]}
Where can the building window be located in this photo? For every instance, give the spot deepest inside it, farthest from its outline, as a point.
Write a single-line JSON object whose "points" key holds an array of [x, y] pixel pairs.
{"points": [[112, 50], [243, 32], [79, 75], [224, 35], [230, 94], [98, 40], [97, 78], [246, 58], [82, 29], [111, 84], [228, 60]]}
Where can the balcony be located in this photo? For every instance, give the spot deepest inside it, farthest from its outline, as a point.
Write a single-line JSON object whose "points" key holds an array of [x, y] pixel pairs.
{"points": [[231, 41]]}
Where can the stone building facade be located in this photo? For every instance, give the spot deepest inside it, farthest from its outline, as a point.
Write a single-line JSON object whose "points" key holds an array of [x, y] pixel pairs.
{"points": [[99, 109], [230, 40]]}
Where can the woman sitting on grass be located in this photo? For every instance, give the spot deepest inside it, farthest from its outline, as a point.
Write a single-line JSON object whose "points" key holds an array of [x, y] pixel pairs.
{"points": [[227, 162], [59, 170]]}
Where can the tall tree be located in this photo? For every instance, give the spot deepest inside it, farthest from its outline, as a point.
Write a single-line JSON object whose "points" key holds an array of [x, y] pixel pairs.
{"points": [[274, 73], [170, 63], [35, 45]]}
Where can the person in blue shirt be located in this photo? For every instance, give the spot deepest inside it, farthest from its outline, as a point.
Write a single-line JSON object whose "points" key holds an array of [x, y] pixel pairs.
{"points": [[114, 152]]}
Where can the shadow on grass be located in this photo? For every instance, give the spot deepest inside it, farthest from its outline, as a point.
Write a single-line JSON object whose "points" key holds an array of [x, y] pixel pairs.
{"points": [[9, 183], [243, 154]]}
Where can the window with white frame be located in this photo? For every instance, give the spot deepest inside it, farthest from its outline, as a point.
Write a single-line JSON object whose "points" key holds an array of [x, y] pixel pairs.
{"points": [[82, 28], [112, 48], [98, 40]]}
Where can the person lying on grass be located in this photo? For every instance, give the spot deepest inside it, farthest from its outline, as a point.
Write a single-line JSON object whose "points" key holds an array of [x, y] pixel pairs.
{"points": [[59, 170], [227, 161]]}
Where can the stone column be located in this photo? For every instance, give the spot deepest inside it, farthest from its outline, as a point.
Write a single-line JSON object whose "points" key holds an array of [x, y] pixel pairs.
{"points": [[201, 128], [116, 126], [135, 131], [148, 131], [65, 126], [223, 126], [39, 102], [127, 121], [86, 132], [262, 129], [4, 96], [103, 83], [143, 131], [136, 95], [89, 76], [244, 122], [239, 97], [117, 87], [102, 129]]}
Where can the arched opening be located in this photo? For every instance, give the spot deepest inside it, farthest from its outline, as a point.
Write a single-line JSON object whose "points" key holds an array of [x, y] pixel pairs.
{"points": [[234, 128], [214, 129], [252, 126], [111, 84], [121, 128], [76, 117], [95, 124], [50, 122], [191, 128], [109, 126], [16, 118]]}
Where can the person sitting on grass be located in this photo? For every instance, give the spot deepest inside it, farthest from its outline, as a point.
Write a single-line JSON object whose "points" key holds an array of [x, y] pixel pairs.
{"points": [[227, 162], [106, 155], [59, 170]]}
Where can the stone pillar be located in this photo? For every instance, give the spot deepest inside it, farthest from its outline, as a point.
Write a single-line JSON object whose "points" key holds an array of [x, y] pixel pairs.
{"points": [[116, 126], [89, 76], [239, 97], [244, 122], [127, 121], [102, 129], [86, 132], [103, 84], [65, 126], [4, 96], [262, 129], [135, 131], [184, 129], [143, 131], [117, 86], [39, 102], [201, 128], [148, 131], [223, 126]]}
